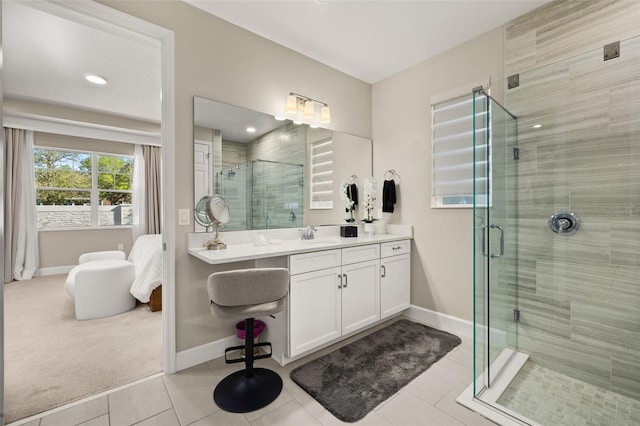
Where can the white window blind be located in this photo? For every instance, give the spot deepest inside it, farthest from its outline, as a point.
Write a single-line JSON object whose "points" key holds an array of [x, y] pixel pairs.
{"points": [[453, 151], [321, 174]]}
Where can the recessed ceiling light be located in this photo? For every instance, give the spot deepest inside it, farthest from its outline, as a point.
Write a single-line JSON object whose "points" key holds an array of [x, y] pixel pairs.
{"points": [[537, 126], [251, 129], [95, 79]]}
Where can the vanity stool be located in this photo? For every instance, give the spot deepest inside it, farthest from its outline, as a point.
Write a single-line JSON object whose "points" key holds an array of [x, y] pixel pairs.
{"points": [[246, 294]]}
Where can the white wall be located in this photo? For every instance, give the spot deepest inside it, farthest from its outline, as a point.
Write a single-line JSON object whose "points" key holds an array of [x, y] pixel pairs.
{"points": [[441, 268], [217, 60]]}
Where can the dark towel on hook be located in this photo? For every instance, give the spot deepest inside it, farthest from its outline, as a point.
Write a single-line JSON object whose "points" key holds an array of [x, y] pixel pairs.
{"points": [[352, 193], [388, 195]]}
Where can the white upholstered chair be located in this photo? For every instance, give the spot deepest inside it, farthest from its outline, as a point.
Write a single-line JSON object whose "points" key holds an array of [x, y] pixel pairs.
{"points": [[100, 285]]}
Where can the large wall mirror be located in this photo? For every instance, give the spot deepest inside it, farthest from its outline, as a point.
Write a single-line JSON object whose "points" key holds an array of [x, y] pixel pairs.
{"points": [[273, 174]]}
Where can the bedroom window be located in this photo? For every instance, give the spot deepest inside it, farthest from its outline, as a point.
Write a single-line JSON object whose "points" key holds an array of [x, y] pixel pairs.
{"points": [[82, 189]]}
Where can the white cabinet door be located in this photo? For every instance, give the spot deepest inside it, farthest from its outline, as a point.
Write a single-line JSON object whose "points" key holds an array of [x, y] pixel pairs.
{"points": [[394, 285], [314, 309], [360, 295]]}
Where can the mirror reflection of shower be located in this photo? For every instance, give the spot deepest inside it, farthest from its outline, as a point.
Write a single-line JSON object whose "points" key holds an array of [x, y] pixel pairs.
{"points": [[231, 172], [263, 194]]}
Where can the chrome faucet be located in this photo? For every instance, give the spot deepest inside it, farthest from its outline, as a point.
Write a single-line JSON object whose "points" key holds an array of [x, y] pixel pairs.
{"points": [[308, 233]]}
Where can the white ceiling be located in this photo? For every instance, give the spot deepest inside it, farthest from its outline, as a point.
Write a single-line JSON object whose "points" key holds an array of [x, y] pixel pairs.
{"points": [[46, 55], [373, 39]]}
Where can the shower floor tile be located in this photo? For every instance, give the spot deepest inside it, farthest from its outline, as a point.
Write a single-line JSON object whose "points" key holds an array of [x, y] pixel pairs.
{"points": [[553, 399]]}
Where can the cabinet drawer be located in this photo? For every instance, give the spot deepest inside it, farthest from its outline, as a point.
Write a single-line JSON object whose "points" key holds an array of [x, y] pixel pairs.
{"points": [[395, 248], [360, 253], [307, 262]]}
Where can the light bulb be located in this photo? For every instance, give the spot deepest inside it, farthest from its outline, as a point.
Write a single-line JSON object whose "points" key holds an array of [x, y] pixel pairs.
{"points": [[292, 104], [325, 114], [309, 110]]}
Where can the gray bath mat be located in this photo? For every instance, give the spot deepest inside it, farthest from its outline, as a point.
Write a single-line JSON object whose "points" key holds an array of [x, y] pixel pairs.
{"points": [[351, 381]]}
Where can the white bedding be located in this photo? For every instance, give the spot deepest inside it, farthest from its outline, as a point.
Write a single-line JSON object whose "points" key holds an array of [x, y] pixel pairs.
{"points": [[146, 255]]}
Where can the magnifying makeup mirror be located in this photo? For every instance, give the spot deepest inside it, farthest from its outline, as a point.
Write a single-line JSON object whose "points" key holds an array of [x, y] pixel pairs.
{"points": [[212, 210]]}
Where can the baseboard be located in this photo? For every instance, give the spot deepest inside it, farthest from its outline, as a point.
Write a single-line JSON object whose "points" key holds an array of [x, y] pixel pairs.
{"points": [[203, 353], [56, 270], [440, 321]]}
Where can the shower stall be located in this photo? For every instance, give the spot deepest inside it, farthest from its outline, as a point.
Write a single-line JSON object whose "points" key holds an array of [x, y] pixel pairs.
{"points": [[557, 243], [262, 194]]}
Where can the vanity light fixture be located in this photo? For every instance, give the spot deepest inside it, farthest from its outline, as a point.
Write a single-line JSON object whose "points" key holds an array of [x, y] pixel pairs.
{"points": [[95, 79], [303, 109]]}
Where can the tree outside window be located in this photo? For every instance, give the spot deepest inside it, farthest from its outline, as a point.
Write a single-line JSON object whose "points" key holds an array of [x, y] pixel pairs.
{"points": [[82, 189]]}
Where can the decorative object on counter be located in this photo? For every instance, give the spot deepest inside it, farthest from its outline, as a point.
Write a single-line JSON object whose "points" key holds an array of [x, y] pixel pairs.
{"points": [[212, 210], [348, 231], [387, 360], [389, 191], [370, 186], [349, 196]]}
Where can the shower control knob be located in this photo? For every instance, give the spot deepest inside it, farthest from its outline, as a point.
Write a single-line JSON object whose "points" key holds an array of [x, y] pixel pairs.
{"points": [[564, 223]]}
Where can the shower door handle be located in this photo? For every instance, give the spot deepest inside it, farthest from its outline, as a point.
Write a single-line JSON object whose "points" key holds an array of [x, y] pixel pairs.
{"points": [[484, 240]]}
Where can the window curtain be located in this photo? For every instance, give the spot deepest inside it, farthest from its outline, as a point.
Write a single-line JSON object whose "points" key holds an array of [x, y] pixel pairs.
{"points": [[138, 196], [147, 190], [21, 232]]}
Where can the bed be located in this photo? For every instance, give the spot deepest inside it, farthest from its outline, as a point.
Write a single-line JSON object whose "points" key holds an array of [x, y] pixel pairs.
{"points": [[146, 255]]}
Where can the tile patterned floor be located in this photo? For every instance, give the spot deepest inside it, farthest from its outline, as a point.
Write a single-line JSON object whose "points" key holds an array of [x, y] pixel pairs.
{"points": [[551, 398], [185, 398]]}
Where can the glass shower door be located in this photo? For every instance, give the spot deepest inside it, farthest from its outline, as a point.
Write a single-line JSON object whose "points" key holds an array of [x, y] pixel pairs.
{"points": [[495, 298]]}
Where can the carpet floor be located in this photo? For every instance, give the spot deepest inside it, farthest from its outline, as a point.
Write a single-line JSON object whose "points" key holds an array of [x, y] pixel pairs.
{"points": [[351, 381], [52, 359]]}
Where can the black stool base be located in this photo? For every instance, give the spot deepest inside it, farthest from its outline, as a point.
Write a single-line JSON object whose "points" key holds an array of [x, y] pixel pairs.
{"points": [[237, 393]]}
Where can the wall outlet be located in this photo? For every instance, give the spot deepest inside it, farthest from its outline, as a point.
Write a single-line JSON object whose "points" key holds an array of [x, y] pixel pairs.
{"points": [[120, 246]]}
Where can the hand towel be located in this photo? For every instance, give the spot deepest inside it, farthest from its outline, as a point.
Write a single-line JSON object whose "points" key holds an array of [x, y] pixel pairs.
{"points": [[388, 196]]}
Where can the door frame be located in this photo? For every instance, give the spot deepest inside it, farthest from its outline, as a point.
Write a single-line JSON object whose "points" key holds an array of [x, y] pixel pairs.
{"points": [[98, 15], [95, 14]]}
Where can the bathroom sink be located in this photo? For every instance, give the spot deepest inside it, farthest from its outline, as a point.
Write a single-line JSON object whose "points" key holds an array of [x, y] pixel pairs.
{"points": [[325, 240]]}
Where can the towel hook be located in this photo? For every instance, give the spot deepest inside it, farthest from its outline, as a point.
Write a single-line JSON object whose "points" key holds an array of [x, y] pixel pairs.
{"points": [[391, 175]]}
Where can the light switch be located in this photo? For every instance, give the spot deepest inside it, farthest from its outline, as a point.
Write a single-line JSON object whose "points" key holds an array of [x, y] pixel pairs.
{"points": [[184, 216]]}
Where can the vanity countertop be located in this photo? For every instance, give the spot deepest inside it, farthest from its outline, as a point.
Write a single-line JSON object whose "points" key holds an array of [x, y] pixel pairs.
{"points": [[251, 251]]}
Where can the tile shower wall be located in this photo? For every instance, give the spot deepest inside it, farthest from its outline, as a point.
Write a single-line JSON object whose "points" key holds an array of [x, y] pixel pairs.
{"points": [[579, 294], [273, 191], [277, 190]]}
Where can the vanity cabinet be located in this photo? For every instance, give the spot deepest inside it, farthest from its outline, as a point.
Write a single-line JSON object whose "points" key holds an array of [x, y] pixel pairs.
{"points": [[395, 273], [332, 293]]}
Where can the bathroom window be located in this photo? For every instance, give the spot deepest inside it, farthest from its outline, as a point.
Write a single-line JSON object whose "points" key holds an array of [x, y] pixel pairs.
{"points": [[321, 174], [452, 150], [77, 189]]}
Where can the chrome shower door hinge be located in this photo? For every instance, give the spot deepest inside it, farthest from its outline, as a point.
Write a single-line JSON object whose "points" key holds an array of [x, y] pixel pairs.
{"points": [[516, 315], [516, 153]]}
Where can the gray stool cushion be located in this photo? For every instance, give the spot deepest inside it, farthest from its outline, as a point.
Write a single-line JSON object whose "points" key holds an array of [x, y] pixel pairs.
{"points": [[248, 293]]}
